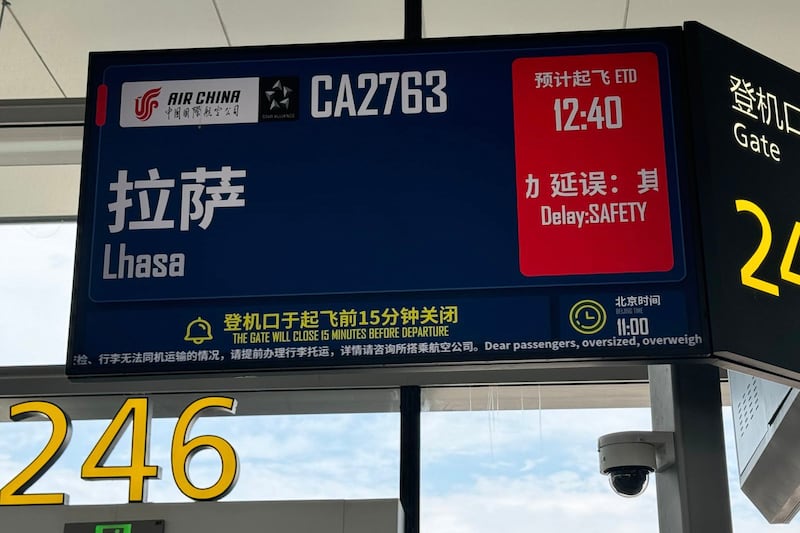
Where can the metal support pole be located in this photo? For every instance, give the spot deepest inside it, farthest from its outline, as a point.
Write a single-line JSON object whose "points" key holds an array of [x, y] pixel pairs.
{"points": [[413, 20], [410, 456], [693, 495]]}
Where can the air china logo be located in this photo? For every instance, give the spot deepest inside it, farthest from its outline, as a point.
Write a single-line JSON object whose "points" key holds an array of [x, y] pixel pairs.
{"points": [[146, 103], [195, 102]]}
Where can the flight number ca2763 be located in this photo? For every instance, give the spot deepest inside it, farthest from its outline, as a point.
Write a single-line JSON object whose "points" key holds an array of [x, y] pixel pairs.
{"points": [[378, 93]]}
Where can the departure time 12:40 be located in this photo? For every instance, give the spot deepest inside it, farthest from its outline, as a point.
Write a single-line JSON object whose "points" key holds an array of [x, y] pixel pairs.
{"points": [[603, 114]]}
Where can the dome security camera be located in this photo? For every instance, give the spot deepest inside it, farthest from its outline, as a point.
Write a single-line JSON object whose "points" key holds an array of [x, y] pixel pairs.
{"points": [[628, 458]]}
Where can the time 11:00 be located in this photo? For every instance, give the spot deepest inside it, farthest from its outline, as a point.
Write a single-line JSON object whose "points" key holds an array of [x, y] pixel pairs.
{"points": [[606, 114]]}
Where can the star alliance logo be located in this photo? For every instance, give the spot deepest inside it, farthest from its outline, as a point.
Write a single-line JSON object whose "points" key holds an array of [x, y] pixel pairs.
{"points": [[279, 98]]}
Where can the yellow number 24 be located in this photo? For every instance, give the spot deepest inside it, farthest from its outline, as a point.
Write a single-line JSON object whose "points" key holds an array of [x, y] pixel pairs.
{"points": [[749, 269]]}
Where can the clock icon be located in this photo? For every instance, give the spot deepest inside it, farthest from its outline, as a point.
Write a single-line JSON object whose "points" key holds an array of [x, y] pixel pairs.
{"points": [[587, 317]]}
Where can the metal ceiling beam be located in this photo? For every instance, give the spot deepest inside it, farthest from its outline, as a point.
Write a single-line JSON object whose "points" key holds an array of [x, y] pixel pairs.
{"points": [[506, 386], [41, 132], [42, 112]]}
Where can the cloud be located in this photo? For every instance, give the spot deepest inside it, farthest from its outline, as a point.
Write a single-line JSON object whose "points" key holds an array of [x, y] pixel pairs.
{"points": [[564, 501], [36, 289]]}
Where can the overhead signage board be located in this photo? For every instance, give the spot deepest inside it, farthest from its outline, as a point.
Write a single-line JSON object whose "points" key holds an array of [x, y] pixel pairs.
{"points": [[746, 109], [450, 201]]}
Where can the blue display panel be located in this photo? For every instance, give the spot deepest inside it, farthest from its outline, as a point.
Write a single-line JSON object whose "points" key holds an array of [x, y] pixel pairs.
{"points": [[374, 203]]}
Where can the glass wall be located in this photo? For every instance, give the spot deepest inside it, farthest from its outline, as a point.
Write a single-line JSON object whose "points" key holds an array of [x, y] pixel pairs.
{"points": [[516, 468], [333, 456]]}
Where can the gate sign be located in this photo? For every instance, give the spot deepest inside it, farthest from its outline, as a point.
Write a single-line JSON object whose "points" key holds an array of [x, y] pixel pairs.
{"points": [[747, 120], [450, 201]]}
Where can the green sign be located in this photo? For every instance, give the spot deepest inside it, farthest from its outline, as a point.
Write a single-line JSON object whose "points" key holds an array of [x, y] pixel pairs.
{"points": [[133, 526], [114, 528]]}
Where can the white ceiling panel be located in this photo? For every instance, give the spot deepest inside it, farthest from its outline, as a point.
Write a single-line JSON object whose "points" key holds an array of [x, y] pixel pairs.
{"points": [[21, 73], [772, 27], [311, 21], [478, 17], [65, 32]]}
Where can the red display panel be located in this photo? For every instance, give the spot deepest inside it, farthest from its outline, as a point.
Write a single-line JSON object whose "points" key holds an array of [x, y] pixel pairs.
{"points": [[591, 168]]}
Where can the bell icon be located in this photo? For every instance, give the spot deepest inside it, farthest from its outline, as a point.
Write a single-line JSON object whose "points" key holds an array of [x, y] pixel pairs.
{"points": [[198, 331]]}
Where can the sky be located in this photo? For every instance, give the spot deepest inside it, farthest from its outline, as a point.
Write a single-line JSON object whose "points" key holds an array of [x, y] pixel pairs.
{"points": [[482, 471]]}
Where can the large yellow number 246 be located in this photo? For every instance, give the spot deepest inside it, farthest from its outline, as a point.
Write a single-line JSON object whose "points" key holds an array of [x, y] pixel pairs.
{"points": [[134, 413]]}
